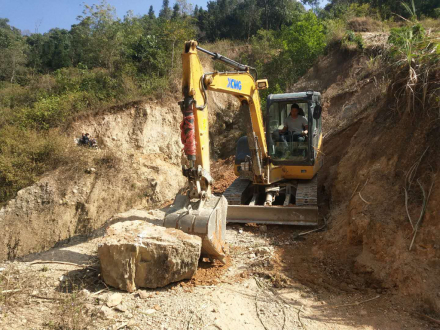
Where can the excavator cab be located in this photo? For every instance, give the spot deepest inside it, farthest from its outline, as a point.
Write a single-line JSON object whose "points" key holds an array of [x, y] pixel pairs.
{"points": [[288, 148], [289, 196]]}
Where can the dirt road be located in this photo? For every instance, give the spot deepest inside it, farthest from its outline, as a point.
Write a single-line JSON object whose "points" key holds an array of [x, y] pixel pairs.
{"points": [[257, 289]]}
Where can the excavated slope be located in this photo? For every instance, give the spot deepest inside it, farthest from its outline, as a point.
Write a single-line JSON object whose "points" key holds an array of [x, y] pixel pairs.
{"points": [[140, 157], [369, 150]]}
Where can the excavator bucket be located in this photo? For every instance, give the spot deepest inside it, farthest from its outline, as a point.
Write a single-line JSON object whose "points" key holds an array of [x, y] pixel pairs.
{"points": [[204, 219]]}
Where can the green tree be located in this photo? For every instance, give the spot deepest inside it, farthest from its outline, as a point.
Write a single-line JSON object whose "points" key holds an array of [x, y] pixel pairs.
{"points": [[97, 39], [56, 52], [35, 42], [151, 14], [165, 12], [176, 11], [12, 53], [302, 43]]}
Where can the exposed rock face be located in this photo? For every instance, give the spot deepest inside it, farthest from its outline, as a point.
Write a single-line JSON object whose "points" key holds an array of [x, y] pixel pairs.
{"points": [[137, 254], [144, 143]]}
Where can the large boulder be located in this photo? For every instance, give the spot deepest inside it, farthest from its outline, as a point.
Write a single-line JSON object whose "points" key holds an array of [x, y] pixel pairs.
{"points": [[137, 254]]}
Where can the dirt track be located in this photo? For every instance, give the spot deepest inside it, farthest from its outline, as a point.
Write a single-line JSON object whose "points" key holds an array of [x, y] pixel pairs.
{"points": [[272, 281]]}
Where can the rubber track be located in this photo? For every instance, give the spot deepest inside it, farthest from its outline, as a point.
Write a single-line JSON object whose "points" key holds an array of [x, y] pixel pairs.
{"points": [[307, 192], [234, 191]]}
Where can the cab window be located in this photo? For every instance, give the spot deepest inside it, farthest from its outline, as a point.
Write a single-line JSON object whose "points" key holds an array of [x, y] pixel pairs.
{"points": [[287, 145]]}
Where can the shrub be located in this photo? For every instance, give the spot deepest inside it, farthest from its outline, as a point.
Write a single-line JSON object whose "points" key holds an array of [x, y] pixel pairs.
{"points": [[335, 30], [414, 54], [364, 24], [352, 38], [27, 154]]}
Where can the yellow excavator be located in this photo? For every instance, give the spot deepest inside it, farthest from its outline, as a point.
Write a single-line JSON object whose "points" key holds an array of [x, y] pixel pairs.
{"points": [[276, 169]]}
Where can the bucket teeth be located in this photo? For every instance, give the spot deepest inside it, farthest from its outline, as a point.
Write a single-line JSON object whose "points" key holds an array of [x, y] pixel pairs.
{"points": [[206, 220]]}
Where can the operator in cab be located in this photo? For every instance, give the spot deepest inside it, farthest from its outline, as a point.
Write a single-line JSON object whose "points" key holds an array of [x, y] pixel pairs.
{"points": [[296, 124]]}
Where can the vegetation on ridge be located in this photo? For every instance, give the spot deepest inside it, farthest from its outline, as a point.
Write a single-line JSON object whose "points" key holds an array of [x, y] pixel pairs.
{"points": [[48, 79]]}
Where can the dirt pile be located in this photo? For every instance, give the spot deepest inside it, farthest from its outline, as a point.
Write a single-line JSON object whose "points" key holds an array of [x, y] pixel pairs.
{"points": [[370, 149]]}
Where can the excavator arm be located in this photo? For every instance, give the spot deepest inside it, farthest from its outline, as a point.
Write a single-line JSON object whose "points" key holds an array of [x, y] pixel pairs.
{"points": [[200, 212], [243, 86], [239, 83]]}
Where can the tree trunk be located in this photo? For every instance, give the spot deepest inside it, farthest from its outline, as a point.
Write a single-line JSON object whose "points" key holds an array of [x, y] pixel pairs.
{"points": [[13, 69]]}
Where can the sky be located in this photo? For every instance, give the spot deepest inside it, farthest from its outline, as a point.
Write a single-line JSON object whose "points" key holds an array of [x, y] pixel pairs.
{"points": [[43, 15]]}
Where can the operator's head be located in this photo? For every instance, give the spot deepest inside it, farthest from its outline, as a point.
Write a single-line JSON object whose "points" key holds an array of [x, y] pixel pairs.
{"points": [[294, 110]]}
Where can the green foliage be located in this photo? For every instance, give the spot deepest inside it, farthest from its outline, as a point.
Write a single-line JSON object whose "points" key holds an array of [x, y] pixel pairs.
{"points": [[284, 56], [12, 50], [406, 41], [302, 43], [352, 38], [24, 155], [233, 19], [415, 56], [385, 8]]}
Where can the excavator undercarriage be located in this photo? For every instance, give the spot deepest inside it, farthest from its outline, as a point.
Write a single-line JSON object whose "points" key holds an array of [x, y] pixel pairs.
{"points": [[287, 203]]}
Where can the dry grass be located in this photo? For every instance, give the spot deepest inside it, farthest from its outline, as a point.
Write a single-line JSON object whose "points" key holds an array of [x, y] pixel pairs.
{"points": [[336, 30], [431, 23], [415, 82], [365, 24], [70, 306]]}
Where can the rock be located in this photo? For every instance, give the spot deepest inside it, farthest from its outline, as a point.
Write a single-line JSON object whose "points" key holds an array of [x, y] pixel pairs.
{"points": [[263, 229], [132, 323], [139, 254], [152, 216], [85, 293], [143, 295], [106, 313], [121, 308], [91, 170], [150, 311], [363, 312], [90, 308], [240, 231], [263, 251], [114, 299]]}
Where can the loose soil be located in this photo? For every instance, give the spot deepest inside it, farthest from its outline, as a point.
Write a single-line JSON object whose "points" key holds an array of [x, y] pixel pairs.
{"points": [[222, 172], [272, 280]]}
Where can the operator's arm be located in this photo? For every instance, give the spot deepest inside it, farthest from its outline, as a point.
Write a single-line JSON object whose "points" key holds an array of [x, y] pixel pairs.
{"points": [[284, 130], [306, 127]]}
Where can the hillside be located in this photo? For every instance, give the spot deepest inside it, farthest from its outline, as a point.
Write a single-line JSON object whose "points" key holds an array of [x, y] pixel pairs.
{"points": [[371, 264], [374, 152], [358, 273]]}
